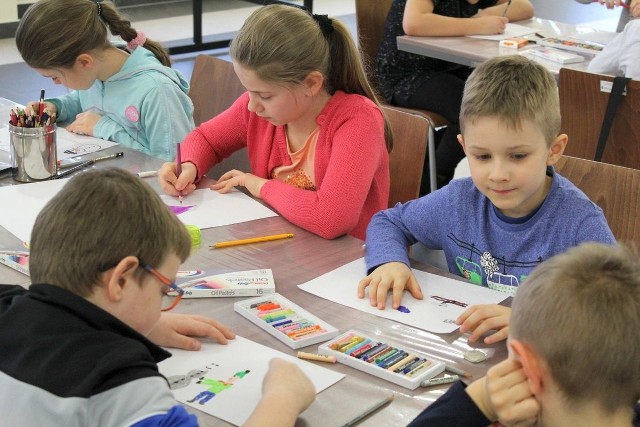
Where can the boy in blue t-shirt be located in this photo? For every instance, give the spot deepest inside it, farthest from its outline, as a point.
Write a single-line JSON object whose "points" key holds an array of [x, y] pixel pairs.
{"points": [[509, 216]]}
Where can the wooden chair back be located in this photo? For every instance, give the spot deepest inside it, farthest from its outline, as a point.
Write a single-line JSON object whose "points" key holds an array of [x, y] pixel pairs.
{"points": [[214, 87], [615, 189], [371, 16], [582, 106], [406, 160]]}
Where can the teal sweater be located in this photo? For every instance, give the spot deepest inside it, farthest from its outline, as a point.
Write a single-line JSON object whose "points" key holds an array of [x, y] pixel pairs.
{"points": [[144, 106]]}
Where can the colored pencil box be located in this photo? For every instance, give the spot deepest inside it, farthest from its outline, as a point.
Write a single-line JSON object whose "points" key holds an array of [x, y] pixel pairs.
{"points": [[248, 283], [286, 321], [382, 358]]}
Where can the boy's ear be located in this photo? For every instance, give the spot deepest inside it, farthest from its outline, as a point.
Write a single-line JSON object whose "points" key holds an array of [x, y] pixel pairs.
{"points": [[532, 365], [121, 275], [461, 142], [314, 82], [557, 148]]}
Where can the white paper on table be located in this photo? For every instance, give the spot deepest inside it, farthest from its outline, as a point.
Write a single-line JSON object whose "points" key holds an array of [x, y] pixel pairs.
{"points": [[206, 208], [221, 362], [67, 144], [512, 30], [341, 285], [22, 204]]}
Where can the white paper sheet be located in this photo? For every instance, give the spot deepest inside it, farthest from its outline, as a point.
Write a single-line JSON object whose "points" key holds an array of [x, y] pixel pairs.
{"points": [[206, 208], [221, 362], [430, 314], [67, 144], [512, 30]]}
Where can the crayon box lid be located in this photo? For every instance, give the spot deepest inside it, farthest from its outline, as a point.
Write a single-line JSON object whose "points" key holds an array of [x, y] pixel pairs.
{"points": [[286, 321], [233, 284]]}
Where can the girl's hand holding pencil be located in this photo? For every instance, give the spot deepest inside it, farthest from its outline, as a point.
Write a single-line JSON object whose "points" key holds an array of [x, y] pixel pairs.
{"points": [[173, 183]]}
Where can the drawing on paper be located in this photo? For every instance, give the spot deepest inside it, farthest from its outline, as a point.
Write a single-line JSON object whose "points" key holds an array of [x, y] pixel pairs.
{"points": [[180, 209], [215, 387]]}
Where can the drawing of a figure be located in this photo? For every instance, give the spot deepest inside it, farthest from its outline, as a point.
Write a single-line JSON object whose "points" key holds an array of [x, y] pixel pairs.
{"points": [[216, 387]]}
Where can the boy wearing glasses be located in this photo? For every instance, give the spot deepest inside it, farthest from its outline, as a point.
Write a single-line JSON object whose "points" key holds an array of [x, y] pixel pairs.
{"points": [[509, 216], [80, 346]]}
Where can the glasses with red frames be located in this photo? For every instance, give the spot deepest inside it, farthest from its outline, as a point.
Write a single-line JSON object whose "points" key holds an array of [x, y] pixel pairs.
{"points": [[170, 297]]}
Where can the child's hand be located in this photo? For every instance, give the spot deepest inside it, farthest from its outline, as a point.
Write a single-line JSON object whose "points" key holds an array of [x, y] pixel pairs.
{"points": [[489, 24], [235, 178], [177, 331], [172, 184], [611, 3], [84, 123], [392, 275], [479, 319], [287, 382], [49, 106], [286, 391], [504, 395]]}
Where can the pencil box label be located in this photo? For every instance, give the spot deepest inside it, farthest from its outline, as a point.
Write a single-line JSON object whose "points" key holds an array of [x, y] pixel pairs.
{"points": [[234, 284], [19, 262]]}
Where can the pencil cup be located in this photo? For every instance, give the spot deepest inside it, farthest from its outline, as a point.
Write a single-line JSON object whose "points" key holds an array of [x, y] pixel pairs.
{"points": [[33, 152]]}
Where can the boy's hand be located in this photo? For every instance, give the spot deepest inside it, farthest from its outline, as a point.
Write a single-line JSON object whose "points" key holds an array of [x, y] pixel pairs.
{"points": [[172, 184], [235, 178], [84, 123], [504, 395], [480, 319], [177, 331], [392, 275], [286, 391]]}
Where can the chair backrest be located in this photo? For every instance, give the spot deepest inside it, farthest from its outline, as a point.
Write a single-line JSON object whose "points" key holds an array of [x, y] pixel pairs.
{"points": [[371, 16], [583, 104], [406, 160], [214, 87], [615, 189]]}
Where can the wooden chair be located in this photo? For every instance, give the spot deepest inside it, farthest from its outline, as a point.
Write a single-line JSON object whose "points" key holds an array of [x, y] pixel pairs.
{"points": [[371, 16], [406, 161], [615, 189], [214, 87], [582, 106]]}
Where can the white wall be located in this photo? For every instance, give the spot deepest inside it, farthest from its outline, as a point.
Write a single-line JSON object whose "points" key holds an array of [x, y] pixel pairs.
{"points": [[9, 10]]}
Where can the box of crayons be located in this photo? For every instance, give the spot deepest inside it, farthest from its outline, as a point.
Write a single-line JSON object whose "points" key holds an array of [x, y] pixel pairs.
{"points": [[17, 260], [248, 283], [382, 358], [286, 321]]}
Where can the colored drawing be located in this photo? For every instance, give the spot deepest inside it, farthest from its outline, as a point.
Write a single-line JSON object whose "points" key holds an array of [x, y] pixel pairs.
{"points": [[403, 309], [215, 387], [180, 209]]}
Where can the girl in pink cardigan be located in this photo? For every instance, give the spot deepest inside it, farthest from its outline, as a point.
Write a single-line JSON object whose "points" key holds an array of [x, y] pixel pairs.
{"points": [[316, 137]]}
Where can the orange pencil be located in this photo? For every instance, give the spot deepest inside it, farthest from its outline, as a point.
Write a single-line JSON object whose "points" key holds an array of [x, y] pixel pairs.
{"points": [[251, 240]]}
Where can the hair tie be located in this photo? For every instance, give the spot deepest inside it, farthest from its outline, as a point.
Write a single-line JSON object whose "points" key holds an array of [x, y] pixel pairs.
{"points": [[99, 9], [325, 24], [138, 41]]}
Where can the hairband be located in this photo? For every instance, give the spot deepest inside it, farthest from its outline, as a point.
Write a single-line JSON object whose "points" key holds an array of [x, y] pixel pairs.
{"points": [[325, 24], [99, 9], [138, 41]]}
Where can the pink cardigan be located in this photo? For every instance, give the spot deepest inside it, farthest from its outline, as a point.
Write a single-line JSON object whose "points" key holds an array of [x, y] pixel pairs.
{"points": [[351, 162]]}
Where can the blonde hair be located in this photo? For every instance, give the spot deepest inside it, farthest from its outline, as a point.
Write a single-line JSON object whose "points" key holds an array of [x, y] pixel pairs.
{"points": [[283, 44], [580, 311], [97, 219], [512, 88], [52, 33]]}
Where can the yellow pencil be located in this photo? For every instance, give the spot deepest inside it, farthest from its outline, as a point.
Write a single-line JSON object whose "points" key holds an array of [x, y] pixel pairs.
{"points": [[251, 240]]}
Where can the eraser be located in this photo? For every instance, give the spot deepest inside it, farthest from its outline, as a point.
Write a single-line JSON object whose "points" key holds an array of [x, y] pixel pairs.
{"points": [[514, 43]]}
